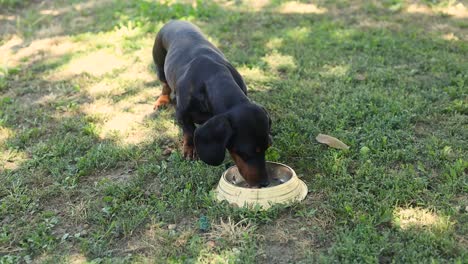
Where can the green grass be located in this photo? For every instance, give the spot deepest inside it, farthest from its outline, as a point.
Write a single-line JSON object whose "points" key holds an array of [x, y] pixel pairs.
{"points": [[89, 173]]}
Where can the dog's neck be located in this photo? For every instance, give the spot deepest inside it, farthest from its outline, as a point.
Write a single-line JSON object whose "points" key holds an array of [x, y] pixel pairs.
{"points": [[224, 93]]}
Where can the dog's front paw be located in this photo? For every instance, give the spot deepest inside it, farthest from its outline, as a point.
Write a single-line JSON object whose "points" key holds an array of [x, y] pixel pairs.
{"points": [[161, 101], [190, 153]]}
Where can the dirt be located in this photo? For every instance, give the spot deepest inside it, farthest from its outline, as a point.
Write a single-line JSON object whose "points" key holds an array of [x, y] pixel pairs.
{"points": [[290, 239]]}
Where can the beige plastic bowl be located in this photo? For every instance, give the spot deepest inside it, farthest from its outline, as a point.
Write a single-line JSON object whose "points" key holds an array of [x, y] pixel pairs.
{"points": [[285, 187]]}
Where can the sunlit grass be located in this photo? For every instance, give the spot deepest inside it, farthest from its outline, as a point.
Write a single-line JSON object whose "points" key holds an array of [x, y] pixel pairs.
{"points": [[422, 219], [90, 173]]}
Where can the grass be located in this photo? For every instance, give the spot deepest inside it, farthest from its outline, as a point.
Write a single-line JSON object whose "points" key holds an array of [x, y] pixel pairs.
{"points": [[89, 173]]}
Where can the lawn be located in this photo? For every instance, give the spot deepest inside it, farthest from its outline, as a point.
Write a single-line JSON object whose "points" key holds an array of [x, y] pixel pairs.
{"points": [[88, 172]]}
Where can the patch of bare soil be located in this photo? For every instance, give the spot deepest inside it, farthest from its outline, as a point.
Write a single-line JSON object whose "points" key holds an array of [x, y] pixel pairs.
{"points": [[290, 239], [157, 239]]}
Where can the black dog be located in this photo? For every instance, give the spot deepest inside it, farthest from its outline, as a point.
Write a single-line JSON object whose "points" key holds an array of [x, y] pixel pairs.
{"points": [[211, 92]]}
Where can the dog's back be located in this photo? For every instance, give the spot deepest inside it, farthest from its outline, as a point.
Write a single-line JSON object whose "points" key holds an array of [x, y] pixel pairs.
{"points": [[179, 43]]}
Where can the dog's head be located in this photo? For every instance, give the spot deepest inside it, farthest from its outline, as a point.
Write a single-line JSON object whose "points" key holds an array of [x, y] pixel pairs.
{"points": [[245, 132]]}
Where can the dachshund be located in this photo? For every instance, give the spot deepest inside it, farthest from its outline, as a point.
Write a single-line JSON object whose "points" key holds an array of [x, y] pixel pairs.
{"points": [[211, 102]]}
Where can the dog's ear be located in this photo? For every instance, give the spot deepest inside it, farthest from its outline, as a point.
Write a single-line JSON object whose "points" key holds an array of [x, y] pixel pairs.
{"points": [[268, 115], [270, 138], [211, 139]]}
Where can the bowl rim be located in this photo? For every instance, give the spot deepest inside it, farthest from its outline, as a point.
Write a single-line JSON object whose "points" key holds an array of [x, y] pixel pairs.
{"points": [[294, 175]]}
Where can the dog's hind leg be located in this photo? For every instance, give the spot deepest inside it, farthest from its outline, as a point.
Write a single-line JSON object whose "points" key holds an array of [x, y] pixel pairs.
{"points": [[164, 98], [159, 56]]}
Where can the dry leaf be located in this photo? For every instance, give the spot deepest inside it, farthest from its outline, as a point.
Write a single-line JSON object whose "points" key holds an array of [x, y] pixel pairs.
{"points": [[331, 141]]}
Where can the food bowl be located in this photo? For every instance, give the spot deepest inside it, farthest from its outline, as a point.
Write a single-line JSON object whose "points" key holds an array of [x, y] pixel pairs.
{"points": [[285, 187]]}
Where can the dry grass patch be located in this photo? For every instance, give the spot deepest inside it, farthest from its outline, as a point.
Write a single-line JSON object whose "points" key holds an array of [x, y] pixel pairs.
{"points": [[279, 62], [407, 218], [454, 9], [334, 70], [156, 241], [17, 50], [231, 232], [77, 258], [287, 240], [96, 64], [450, 36], [294, 7], [275, 43], [418, 9], [78, 211], [127, 118], [11, 159], [253, 74]]}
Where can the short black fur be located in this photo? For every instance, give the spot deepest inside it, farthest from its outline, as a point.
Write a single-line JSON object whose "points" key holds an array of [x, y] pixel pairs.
{"points": [[210, 91]]}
